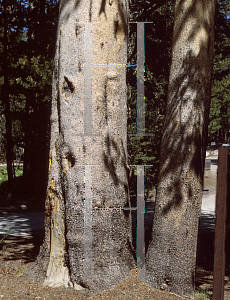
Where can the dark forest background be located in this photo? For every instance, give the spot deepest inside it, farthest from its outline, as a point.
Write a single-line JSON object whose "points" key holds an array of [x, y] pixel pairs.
{"points": [[27, 45]]}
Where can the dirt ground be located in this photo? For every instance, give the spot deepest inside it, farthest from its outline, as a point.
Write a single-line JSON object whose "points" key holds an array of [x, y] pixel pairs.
{"points": [[17, 254]]}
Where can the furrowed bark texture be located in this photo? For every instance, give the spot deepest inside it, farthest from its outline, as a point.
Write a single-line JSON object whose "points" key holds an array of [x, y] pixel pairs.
{"points": [[104, 148], [171, 256]]}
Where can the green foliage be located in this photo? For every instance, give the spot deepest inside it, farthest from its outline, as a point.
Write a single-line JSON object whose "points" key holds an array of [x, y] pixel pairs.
{"points": [[3, 175], [30, 54], [201, 294], [158, 39], [30, 63], [36, 74], [220, 103], [18, 186], [15, 23]]}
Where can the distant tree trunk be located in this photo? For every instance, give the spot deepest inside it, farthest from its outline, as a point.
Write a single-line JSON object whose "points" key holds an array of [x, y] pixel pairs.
{"points": [[29, 153], [43, 28], [171, 256], [7, 104], [37, 114], [62, 255]]}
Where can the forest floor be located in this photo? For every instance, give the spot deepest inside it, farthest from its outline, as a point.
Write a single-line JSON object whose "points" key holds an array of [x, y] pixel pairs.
{"points": [[18, 253]]}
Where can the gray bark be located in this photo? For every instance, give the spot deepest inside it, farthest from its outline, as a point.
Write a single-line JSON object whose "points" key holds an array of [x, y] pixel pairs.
{"points": [[171, 256], [62, 255]]}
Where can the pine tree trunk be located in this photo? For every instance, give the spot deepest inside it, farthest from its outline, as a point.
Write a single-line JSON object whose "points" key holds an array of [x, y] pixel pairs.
{"points": [[171, 256], [28, 170], [62, 255], [7, 106]]}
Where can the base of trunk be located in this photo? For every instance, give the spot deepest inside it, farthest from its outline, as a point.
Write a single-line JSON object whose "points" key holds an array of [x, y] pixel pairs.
{"points": [[57, 276]]}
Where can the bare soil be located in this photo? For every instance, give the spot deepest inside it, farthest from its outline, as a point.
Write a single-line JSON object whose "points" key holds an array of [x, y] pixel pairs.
{"points": [[17, 254]]}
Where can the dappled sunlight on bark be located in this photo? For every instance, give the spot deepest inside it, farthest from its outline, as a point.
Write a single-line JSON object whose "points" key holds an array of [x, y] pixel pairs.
{"points": [[171, 254]]}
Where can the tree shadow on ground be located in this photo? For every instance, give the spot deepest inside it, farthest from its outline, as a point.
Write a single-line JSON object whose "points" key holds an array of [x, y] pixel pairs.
{"points": [[25, 248]]}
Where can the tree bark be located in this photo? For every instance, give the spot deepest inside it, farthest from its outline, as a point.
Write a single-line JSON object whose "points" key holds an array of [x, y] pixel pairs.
{"points": [[7, 106], [62, 255], [171, 256]]}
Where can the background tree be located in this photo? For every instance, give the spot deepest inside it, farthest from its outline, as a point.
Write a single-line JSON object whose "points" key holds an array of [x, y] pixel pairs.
{"points": [[30, 66], [30, 63], [30, 100], [11, 40], [37, 66], [62, 255], [6, 99], [171, 256]]}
